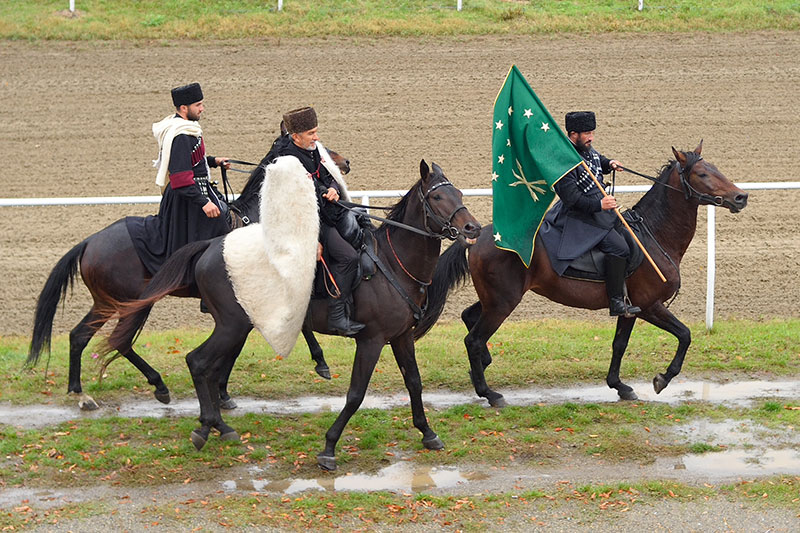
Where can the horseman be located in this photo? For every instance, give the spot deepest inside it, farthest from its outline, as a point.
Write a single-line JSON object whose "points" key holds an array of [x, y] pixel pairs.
{"points": [[191, 208], [586, 218], [338, 236]]}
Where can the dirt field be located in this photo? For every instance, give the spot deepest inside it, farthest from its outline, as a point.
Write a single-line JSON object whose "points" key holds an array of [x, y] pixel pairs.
{"points": [[76, 122]]}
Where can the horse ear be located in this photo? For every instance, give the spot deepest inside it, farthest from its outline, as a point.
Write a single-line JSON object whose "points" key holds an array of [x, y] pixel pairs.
{"points": [[699, 147], [424, 171], [679, 156], [284, 131]]}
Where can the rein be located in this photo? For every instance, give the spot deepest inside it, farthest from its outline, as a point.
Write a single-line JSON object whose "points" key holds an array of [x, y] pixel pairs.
{"points": [[447, 231], [686, 188], [396, 258]]}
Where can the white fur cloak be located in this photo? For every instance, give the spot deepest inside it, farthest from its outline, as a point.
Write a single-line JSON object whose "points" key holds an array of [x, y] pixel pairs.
{"points": [[271, 264]]}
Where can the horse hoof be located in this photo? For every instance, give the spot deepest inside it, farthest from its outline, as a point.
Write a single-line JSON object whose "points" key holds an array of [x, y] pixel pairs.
{"points": [[498, 402], [88, 405], [326, 462], [198, 440], [323, 371], [228, 404], [660, 383], [627, 395], [231, 435], [162, 397], [433, 444]]}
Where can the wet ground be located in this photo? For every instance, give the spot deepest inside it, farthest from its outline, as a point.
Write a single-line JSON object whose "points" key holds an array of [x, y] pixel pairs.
{"points": [[739, 393], [745, 451], [749, 450]]}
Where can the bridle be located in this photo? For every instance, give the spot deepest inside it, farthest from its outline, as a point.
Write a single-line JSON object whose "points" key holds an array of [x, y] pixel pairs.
{"points": [[447, 231], [686, 187]]}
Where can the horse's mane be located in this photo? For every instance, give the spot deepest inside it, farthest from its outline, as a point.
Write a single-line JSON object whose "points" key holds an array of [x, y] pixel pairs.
{"points": [[398, 210], [654, 202], [252, 188]]}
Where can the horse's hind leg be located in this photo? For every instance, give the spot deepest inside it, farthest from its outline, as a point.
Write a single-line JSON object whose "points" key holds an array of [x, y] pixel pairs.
{"points": [[470, 317], [321, 366], [225, 400], [208, 363], [161, 391], [79, 338], [475, 341], [661, 317], [403, 349], [618, 347]]}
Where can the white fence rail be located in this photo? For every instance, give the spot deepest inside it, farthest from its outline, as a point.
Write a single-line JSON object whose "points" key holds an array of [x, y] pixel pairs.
{"points": [[366, 197]]}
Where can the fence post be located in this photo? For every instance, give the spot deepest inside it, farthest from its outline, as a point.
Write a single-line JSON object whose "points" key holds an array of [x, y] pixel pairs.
{"points": [[458, 5], [280, 5], [641, 4], [711, 266], [72, 6]]}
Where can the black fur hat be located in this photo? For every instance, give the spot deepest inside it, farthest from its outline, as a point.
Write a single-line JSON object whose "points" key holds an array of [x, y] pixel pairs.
{"points": [[580, 121], [187, 95], [300, 120]]}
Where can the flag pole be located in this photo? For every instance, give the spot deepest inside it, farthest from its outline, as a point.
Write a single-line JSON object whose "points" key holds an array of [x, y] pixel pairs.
{"points": [[625, 223]]}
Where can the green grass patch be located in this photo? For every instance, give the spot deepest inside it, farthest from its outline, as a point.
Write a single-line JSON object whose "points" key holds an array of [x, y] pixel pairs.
{"points": [[234, 19], [136, 451], [545, 353]]}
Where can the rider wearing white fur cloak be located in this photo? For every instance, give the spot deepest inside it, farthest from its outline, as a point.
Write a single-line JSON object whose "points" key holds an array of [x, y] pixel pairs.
{"points": [[337, 235]]}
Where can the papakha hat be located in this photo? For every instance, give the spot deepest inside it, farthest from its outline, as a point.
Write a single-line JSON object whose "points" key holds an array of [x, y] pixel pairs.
{"points": [[300, 120], [187, 94], [580, 121]]}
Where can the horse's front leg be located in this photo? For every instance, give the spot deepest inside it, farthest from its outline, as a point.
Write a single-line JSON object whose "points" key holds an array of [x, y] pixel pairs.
{"points": [[618, 347], [367, 354], [661, 317], [403, 348]]}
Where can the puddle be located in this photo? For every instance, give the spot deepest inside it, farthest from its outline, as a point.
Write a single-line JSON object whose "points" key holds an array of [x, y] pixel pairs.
{"points": [[739, 463], [736, 394], [748, 450], [399, 477]]}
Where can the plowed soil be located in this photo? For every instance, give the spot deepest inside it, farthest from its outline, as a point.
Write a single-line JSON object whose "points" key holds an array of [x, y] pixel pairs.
{"points": [[76, 121]]}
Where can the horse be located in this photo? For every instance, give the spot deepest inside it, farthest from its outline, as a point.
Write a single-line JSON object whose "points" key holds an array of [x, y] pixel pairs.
{"points": [[112, 271], [389, 304], [668, 210]]}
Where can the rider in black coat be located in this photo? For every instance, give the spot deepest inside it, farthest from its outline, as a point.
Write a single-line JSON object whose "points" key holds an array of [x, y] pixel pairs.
{"points": [[586, 216], [302, 127]]}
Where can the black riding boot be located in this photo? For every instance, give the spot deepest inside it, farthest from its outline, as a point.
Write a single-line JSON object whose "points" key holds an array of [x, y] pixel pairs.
{"points": [[615, 281], [338, 321]]}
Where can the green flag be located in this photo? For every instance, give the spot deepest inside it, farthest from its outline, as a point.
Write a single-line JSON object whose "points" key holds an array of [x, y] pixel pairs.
{"points": [[530, 153]]}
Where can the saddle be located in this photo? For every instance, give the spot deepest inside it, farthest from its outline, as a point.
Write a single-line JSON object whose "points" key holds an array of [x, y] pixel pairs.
{"points": [[357, 230], [591, 265]]}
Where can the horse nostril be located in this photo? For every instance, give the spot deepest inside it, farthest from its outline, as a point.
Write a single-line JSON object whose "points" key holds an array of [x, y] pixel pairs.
{"points": [[741, 199]]}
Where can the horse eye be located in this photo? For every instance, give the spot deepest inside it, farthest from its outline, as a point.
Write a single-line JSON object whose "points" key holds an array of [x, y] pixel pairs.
{"points": [[437, 197]]}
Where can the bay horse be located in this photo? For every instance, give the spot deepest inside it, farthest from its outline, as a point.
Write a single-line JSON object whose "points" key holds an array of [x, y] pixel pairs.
{"points": [[668, 210], [386, 303], [112, 272]]}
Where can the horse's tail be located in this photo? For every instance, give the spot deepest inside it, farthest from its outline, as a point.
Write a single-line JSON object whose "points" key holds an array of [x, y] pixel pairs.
{"points": [[175, 274], [55, 289], [451, 270]]}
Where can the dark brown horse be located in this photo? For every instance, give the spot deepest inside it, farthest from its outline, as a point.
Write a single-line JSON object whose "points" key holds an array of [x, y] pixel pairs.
{"points": [[668, 209], [112, 271], [386, 303]]}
